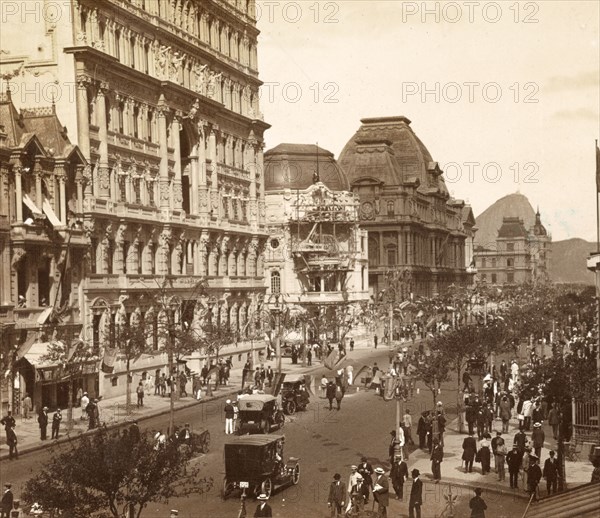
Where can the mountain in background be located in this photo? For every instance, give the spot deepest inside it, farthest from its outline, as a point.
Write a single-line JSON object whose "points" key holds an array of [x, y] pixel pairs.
{"points": [[490, 220], [568, 261], [568, 257]]}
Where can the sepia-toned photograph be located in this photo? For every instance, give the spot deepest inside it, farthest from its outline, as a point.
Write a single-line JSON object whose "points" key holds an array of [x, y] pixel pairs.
{"points": [[299, 259]]}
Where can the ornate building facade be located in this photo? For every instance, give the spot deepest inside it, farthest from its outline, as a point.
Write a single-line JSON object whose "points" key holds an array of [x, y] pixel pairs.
{"points": [[519, 254], [162, 100], [415, 227], [42, 246], [316, 256]]}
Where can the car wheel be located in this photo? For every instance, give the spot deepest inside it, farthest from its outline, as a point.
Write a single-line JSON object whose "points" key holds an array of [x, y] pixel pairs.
{"points": [[266, 487], [227, 488], [296, 474], [206, 443], [290, 407], [280, 419]]}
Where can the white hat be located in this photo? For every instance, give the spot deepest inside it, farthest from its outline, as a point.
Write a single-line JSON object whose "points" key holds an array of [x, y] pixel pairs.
{"points": [[262, 496], [379, 470], [488, 377], [537, 425], [228, 402]]}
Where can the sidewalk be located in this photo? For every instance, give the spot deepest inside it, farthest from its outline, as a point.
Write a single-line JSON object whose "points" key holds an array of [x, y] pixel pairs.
{"points": [[577, 473], [113, 410]]}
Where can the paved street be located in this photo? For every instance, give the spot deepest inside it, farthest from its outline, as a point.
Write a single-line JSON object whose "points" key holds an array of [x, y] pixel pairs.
{"points": [[327, 442]]}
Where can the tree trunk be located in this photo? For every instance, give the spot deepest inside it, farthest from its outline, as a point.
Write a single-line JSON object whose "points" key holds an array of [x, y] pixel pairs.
{"points": [[172, 391], [128, 394], [70, 405], [458, 403]]}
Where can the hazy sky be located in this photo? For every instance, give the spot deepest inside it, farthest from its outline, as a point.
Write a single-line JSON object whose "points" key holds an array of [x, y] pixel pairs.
{"points": [[505, 95]]}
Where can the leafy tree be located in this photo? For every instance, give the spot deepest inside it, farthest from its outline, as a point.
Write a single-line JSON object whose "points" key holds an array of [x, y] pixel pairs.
{"points": [[434, 371], [114, 474]]}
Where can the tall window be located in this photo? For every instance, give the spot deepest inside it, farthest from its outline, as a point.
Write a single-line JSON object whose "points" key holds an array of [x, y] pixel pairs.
{"points": [[390, 208], [494, 279], [275, 282], [510, 277], [225, 208], [118, 44], [136, 117], [132, 51], [510, 263], [120, 113], [149, 122], [391, 256], [147, 58], [150, 185], [137, 184]]}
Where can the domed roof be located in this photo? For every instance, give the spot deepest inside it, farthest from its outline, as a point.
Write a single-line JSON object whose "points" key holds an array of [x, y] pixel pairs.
{"points": [[386, 148], [295, 166]]}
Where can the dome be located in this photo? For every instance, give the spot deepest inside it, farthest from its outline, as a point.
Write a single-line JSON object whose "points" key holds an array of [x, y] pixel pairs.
{"points": [[386, 148], [294, 166]]}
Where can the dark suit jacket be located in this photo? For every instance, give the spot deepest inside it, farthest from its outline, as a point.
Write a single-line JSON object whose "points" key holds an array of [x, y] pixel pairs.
{"points": [[43, 419], [366, 470], [469, 448], [416, 493], [337, 493], [399, 473], [382, 496], [266, 512], [551, 470], [7, 500]]}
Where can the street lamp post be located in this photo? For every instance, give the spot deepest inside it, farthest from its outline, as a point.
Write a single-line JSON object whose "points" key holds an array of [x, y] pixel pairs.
{"points": [[276, 311]]}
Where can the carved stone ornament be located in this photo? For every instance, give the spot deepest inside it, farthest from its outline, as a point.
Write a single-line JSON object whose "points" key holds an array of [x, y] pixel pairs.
{"points": [[17, 254]]}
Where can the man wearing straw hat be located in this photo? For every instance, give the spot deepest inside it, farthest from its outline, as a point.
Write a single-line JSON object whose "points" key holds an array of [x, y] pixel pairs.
{"points": [[263, 510], [381, 490]]}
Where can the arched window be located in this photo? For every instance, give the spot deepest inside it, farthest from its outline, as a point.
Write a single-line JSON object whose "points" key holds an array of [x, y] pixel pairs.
{"points": [[275, 282]]}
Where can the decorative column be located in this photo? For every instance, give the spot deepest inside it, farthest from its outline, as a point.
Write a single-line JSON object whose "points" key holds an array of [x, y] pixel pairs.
{"points": [[63, 201], [161, 113], [119, 259], [83, 116], [38, 172], [102, 186], [202, 194], [175, 130], [260, 181], [18, 194], [214, 192]]}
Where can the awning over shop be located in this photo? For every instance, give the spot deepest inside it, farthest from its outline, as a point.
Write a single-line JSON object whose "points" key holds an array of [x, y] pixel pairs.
{"points": [[30, 205], [51, 215], [36, 356]]}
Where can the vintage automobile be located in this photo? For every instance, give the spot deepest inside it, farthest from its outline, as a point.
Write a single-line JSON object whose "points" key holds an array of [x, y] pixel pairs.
{"points": [[259, 413], [255, 465], [294, 395]]}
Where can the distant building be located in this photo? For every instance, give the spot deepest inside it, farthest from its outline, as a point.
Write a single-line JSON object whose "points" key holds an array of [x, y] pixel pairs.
{"points": [[519, 254], [415, 227], [316, 256]]}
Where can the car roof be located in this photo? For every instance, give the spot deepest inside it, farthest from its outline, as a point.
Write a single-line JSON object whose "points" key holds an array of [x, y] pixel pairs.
{"points": [[259, 397], [255, 440]]}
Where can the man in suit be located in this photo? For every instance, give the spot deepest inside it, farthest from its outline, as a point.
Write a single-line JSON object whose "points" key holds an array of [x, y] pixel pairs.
{"points": [[399, 474], [416, 496], [381, 492], [469, 446], [337, 495], [513, 459], [437, 456], [534, 475], [7, 502], [551, 473], [366, 470], [11, 440], [263, 510], [43, 422], [358, 492]]}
